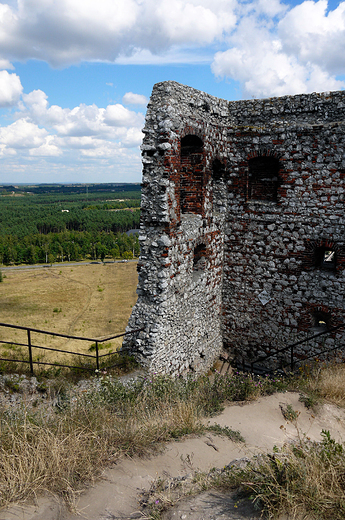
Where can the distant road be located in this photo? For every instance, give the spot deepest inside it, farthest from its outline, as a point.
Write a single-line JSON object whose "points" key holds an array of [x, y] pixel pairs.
{"points": [[63, 264]]}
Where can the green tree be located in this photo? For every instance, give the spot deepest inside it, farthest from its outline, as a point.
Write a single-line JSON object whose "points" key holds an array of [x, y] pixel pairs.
{"points": [[115, 252], [51, 258], [101, 251]]}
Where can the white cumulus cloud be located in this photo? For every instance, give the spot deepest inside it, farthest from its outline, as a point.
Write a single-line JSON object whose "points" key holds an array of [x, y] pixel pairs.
{"points": [[269, 46], [10, 89], [118, 115], [22, 134], [192, 22], [134, 99], [47, 133], [70, 31], [133, 138], [47, 149], [288, 57], [315, 35], [111, 122]]}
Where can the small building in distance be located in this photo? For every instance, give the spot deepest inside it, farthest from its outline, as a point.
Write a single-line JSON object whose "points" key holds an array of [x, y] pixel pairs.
{"points": [[242, 228]]}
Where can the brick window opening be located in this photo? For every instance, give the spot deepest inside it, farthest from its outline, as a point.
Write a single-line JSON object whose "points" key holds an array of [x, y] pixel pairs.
{"points": [[263, 178], [199, 260], [191, 145], [192, 172], [326, 258], [219, 188]]}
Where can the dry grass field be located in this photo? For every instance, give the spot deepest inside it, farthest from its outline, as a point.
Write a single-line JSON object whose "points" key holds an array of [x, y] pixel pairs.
{"points": [[86, 300]]}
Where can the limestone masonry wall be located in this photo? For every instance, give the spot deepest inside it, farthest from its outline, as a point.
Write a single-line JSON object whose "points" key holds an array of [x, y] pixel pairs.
{"points": [[242, 228]]}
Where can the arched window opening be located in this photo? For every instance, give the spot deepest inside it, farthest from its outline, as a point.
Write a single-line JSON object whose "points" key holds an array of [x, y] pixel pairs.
{"points": [[264, 178], [192, 171], [191, 145]]}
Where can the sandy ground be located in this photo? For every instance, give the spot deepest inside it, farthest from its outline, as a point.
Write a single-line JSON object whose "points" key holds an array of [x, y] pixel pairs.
{"points": [[261, 423]]}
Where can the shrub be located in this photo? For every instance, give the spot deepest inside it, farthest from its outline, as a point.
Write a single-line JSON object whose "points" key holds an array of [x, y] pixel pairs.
{"points": [[301, 480]]}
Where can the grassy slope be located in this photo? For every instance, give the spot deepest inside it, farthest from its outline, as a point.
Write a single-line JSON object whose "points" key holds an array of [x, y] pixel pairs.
{"points": [[87, 300], [58, 445]]}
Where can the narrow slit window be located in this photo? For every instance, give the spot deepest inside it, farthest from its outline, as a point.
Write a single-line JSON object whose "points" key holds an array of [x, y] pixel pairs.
{"points": [[218, 170], [192, 171], [199, 260]]}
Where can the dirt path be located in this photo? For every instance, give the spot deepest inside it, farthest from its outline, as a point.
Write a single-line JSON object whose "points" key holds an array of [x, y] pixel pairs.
{"points": [[261, 423]]}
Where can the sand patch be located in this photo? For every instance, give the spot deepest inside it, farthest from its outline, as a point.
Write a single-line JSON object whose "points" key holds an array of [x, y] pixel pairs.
{"points": [[261, 423]]}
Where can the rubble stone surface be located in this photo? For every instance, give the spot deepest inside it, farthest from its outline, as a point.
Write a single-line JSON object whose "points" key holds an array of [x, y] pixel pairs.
{"points": [[242, 229]]}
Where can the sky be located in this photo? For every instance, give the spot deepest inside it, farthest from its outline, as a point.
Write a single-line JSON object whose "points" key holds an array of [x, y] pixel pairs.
{"points": [[76, 75]]}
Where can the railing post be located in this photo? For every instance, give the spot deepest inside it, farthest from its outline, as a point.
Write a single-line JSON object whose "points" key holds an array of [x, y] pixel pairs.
{"points": [[97, 356], [30, 353], [291, 361]]}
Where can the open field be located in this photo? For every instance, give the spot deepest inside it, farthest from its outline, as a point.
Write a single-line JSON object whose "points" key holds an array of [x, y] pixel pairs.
{"points": [[86, 300]]}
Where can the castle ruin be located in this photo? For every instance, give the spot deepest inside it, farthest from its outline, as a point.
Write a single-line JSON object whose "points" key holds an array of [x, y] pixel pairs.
{"points": [[242, 227]]}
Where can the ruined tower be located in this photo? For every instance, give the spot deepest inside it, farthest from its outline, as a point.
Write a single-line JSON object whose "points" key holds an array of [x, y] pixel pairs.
{"points": [[242, 227]]}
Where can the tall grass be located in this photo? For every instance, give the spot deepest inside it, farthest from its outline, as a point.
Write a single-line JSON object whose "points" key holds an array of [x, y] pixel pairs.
{"points": [[327, 382], [304, 480], [57, 447], [59, 450]]}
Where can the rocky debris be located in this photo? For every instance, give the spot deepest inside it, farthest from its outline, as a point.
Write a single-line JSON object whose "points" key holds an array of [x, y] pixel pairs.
{"points": [[214, 505], [20, 389]]}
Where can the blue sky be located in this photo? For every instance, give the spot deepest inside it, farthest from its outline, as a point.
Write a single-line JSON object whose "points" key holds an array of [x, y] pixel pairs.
{"points": [[76, 75]]}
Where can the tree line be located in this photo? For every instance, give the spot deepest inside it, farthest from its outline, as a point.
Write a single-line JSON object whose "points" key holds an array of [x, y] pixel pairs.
{"points": [[67, 227], [67, 246], [22, 216]]}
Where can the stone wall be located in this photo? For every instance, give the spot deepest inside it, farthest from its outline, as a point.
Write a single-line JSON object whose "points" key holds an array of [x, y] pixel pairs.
{"points": [[242, 231]]}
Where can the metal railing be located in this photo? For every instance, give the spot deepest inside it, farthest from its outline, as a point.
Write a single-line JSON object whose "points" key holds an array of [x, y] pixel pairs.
{"points": [[30, 346], [292, 347]]}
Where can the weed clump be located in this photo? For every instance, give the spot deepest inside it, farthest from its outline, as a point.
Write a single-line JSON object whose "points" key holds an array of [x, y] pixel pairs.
{"points": [[225, 431], [327, 382], [302, 480]]}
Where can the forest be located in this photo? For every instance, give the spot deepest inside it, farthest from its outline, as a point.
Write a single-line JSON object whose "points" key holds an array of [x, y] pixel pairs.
{"points": [[58, 223]]}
